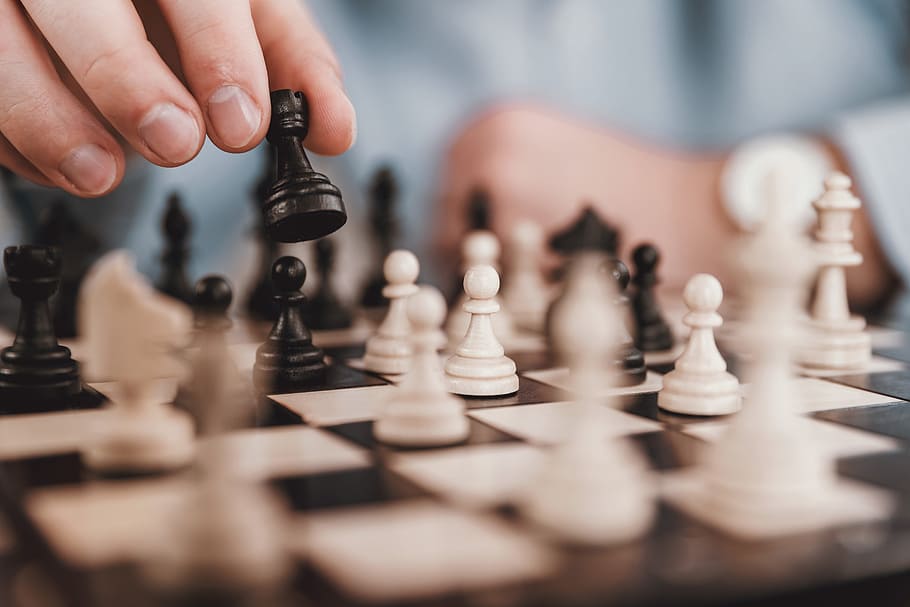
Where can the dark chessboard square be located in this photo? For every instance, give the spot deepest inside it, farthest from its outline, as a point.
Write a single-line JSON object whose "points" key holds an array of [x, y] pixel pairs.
{"points": [[362, 434], [888, 470], [269, 414], [668, 449], [645, 405], [361, 486], [338, 376], [529, 393], [890, 419], [43, 471], [347, 352], [893, 383], [87, 398], [533, 360], [901, 352]]}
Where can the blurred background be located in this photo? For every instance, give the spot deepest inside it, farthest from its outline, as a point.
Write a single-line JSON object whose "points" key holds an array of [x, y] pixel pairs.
{"points": [[634, 107]]}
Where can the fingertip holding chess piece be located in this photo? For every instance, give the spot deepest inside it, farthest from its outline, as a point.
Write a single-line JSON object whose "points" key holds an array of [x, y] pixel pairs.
{"points": [[420, 412], [699, 383], [479, 366], [288, 360], [389, 350], [301, 204]]}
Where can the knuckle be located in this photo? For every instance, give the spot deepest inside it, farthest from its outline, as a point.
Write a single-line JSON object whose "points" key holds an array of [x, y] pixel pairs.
{"points": [[21, 111], [108, 65]]}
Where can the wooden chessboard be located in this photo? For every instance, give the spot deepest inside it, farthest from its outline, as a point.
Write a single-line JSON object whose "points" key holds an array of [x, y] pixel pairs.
{"points": [[378, 525]]}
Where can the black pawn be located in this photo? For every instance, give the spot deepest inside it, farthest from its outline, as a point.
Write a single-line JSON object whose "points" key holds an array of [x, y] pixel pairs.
{"points": [[212, 297], [36, 373], [383, 197], [652, 333], [176, 229], [288, 360], [79, 248], [628, 360], [260, 303], [301, 204], [324, 310]]}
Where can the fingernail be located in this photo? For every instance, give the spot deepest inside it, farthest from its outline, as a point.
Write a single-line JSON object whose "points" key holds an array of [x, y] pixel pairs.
{"points": [[170, 132], [90, 168], [234, 116]]}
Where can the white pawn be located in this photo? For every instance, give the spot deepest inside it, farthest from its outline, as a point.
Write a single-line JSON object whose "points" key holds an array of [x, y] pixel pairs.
{"points": [[699, 383], [479, 248], [592, 489], [420, 412], [524, 294], [480, 366], [836, 340], [388, 351]]}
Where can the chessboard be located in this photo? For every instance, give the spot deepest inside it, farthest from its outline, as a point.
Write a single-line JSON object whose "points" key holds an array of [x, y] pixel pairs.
{"points": [[373, 524]]}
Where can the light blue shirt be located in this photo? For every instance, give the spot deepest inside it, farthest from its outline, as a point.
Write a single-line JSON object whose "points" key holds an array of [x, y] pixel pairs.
{"points": [[702, 74]]}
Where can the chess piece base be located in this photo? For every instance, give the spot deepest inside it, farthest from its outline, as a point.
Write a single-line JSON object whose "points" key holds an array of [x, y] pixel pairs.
{"points": [[387, 355], [287, 369], [575, 503], [50, 379], [408, 424], [130, 442], [845, 347], [481, 376], [700, 394]]}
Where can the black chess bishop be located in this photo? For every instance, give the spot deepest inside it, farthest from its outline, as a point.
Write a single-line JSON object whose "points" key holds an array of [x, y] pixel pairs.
{"points": [[629, 360], [300, 204], [652, 333], [176, 228], [384, 224]]}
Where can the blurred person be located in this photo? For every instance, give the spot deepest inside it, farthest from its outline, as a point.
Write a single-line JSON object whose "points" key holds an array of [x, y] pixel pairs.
{"points": [[635, 106]]}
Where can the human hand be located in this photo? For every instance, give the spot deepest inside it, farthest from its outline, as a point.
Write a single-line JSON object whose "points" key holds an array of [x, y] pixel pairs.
{"points": [[79, 79], [540, 166]]}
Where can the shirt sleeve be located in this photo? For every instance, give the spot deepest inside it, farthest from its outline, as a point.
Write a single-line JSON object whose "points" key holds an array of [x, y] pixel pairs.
{"points": [[876, 143]]}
